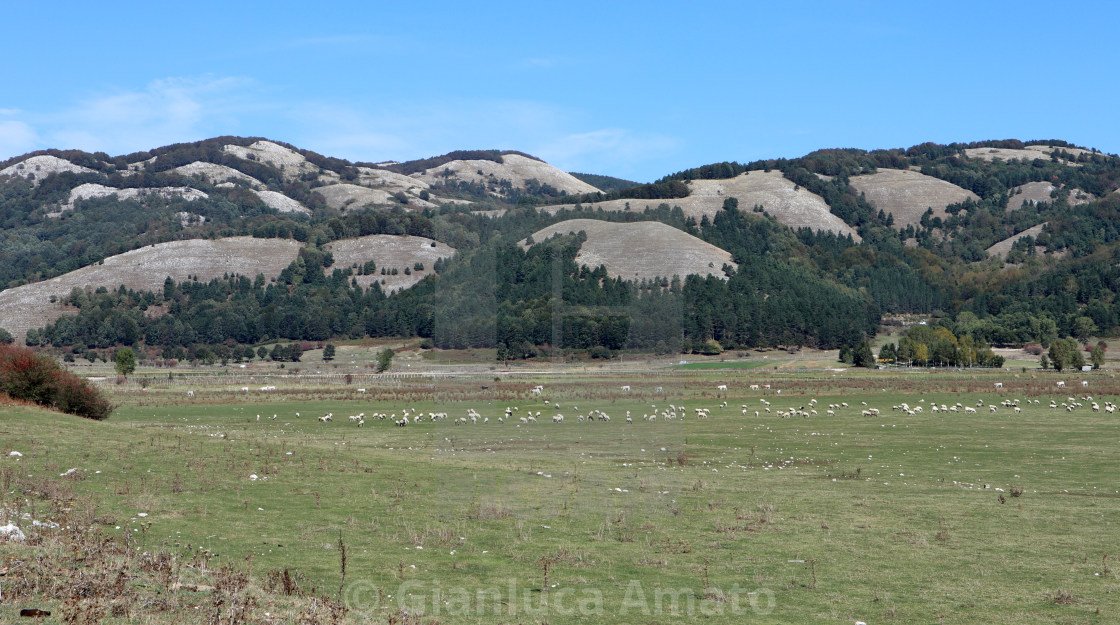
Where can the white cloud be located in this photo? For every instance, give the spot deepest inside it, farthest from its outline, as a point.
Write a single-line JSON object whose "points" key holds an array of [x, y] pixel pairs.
{"points": [[606, 150], [418, 130], [16, 138], [174, 110], [164, 111]]}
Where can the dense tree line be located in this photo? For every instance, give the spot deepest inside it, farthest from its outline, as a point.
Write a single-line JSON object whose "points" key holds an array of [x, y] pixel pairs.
{"points": [[605, 183], [500, 295], [937, 346]]}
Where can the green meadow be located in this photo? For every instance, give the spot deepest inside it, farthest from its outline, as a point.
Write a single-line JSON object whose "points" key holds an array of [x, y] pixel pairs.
{"points": [[910, 517]]}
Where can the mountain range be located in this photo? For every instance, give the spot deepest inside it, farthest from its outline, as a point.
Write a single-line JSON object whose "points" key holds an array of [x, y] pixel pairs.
{"points": [[233, 242]]}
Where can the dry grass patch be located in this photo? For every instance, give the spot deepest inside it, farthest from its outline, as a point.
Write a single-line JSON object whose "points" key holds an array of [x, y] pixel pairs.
{"points": [[1038, 192], [391, 252], [642, 250], [215, 173], [1029, 153], [790, 204], [515, 168], [1003, 247], [145, 269], [37, 168], [908, 194]]}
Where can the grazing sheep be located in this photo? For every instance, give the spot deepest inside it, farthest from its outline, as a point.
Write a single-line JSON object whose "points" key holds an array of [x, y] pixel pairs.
{"points": [[323, 419], [626, 388], [999, 384], [721, 387], [190, 394]]}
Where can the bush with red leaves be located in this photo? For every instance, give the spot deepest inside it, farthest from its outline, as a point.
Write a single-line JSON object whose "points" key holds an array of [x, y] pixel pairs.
{"points": [[28, 376]]}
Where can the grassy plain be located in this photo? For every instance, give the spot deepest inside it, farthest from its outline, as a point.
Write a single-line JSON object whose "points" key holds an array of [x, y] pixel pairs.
{"points": [[992, 517]]}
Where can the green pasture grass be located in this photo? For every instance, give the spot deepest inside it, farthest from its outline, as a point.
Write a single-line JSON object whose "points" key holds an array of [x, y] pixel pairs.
{"points": [[730, 365], [729, 519]]}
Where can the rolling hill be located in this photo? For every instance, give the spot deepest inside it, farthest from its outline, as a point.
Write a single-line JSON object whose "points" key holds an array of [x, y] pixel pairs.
{"points": [[780, 197], [641, 250], [437, 247]]}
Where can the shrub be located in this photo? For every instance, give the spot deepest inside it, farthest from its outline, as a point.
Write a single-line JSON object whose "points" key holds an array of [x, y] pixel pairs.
{"points": [[77, 397], [28, 376]]}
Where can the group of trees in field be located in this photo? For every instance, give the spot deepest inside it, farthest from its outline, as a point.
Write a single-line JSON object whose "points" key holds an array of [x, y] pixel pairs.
{"points": [[1067, 354], [925, 346]]}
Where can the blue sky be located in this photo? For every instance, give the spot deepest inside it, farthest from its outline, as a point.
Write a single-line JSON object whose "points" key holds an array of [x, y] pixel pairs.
{"points": [[635, 90]]}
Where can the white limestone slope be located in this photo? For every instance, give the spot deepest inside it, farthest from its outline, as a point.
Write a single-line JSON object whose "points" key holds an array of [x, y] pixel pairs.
{"points": [[641, 250]]}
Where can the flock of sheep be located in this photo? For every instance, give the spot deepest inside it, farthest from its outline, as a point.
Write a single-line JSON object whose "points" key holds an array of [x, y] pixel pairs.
{"points": [[672, 412]]}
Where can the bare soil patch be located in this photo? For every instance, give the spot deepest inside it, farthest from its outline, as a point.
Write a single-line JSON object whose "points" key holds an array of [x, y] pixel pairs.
{"points": [[642, 250]]}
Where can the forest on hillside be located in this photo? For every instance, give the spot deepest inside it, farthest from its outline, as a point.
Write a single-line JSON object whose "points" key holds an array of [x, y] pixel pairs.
{"points": [[790, 288]]}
